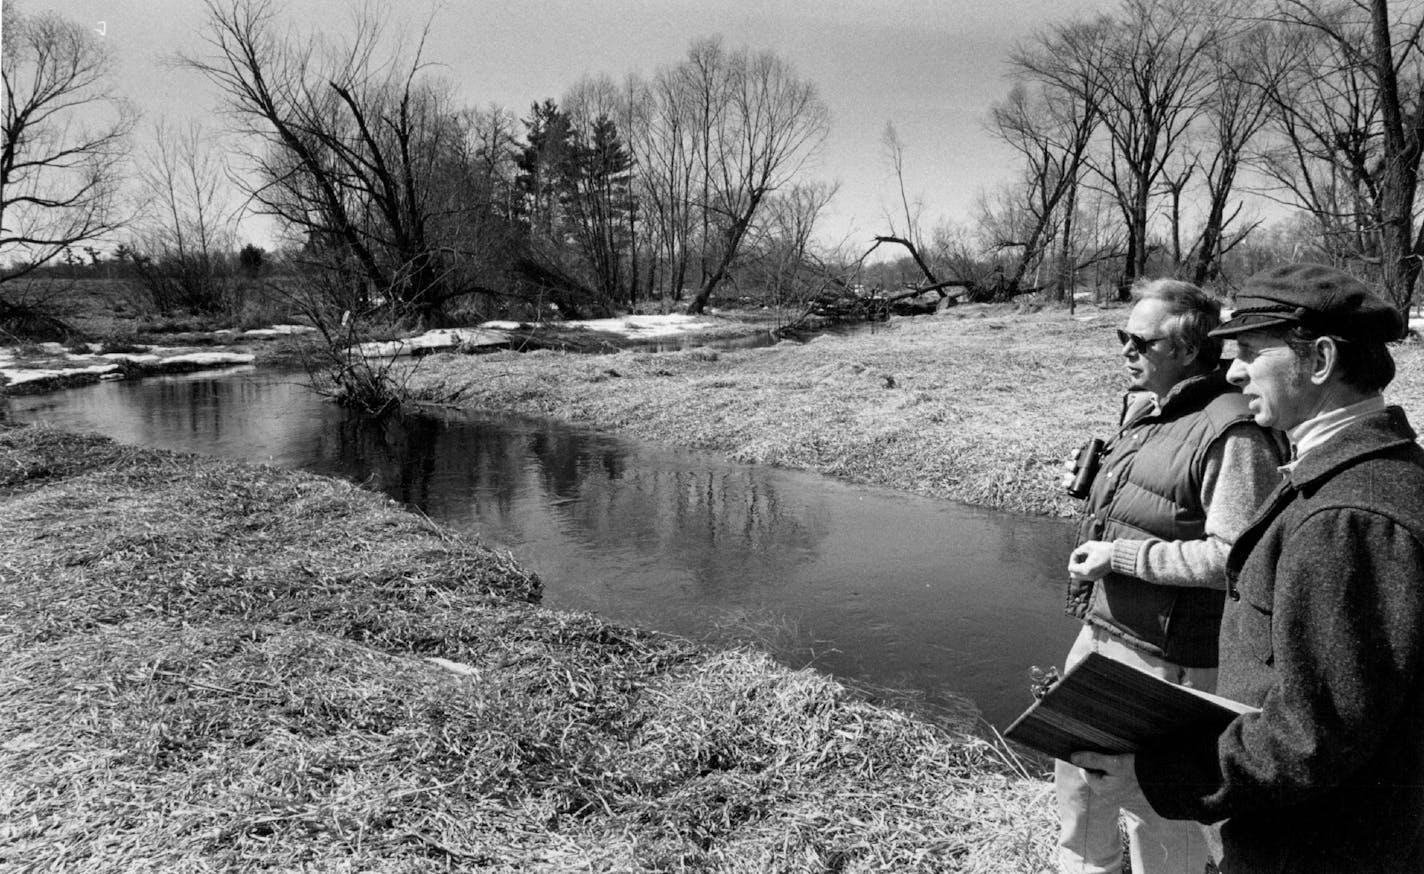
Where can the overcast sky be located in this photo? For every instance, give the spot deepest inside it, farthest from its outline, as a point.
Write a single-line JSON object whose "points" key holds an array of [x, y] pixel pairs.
{"points": [[932, 67]]}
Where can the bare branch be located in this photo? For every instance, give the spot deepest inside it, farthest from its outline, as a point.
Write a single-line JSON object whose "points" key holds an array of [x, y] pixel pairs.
{"points": [[65, 138]]}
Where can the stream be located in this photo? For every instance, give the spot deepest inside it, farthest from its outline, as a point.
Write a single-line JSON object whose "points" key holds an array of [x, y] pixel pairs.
{"points": [[933, 605]]}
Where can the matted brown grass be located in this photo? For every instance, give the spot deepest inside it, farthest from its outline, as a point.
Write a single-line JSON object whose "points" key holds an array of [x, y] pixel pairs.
{"points": [[218, 667], [980, 407], [980, 404]]}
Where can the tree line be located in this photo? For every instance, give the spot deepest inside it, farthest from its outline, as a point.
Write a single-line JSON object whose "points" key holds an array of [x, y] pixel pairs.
{"points": [[397, 194], [1140, 133], [1141, 136]]}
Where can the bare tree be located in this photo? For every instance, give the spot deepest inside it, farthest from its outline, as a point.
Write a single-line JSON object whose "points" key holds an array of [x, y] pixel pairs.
{"points": [[718, 134], [912, 237], [1347, 112], [599, 184], [666, 145], [777, 123], [493, 131], [1051, 129], [1235, 112], [1317, 151], [707, 77], [1400, 249], [946, 251], [65, 136], [724, 131], [1154, 85], [362, 154], [1055, 127], [186, 220], [782, 247]]}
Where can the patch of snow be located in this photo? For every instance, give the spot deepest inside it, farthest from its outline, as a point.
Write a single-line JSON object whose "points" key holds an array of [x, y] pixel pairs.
{"points": [[384, 349], [112, 368], [279, 331], [21, 376], [135, 357], [647, 326], [15, 371], [430, 341], [274, 331], [667, 325]]}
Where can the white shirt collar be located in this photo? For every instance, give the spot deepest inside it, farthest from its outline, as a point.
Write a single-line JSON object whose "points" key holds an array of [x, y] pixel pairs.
{"points": [[1313, 432]]}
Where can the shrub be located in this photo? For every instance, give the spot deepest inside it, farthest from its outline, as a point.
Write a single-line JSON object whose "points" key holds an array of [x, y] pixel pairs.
{"points": [[251, 259]]}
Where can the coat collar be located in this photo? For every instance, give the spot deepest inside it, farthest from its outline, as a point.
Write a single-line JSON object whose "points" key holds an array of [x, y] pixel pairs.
{"points": [[1370, 434], [1190, 394]]}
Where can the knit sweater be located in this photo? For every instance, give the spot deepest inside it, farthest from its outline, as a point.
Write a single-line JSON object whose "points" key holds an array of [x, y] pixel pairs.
{"points": [[1245, 458]]}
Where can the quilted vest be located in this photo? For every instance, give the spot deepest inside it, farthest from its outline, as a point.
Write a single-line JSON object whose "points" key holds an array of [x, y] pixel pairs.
{"points": [[1149, 486]]}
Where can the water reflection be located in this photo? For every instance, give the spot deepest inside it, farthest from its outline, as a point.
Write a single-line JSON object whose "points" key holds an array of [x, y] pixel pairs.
{"points": [[878, 587]]}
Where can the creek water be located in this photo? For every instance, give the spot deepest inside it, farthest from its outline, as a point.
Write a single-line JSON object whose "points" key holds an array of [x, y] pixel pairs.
{"points": [[932, 604]]}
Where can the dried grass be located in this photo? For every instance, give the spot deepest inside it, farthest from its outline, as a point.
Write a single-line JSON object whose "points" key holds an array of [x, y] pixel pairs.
{"points": [[217, 667], [980, 404]]}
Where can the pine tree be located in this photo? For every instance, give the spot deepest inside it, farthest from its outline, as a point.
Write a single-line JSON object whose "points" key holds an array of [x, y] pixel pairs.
{"points": [[598, 181], [541, 165]]}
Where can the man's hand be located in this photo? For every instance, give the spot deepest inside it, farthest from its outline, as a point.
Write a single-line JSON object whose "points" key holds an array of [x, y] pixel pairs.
{"points": [[1090, 561], [1105, 773]]}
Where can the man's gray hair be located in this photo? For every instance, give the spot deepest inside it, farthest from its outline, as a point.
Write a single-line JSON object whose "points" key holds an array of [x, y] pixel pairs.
{"points": [[1194, 314]]}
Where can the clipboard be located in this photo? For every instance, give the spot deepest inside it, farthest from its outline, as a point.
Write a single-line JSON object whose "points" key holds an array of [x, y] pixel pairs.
{"points": [[1105, 706]]}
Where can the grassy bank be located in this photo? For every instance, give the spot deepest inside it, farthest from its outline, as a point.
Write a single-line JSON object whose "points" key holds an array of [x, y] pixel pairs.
{"points": [[980, 404], [213, 666]]}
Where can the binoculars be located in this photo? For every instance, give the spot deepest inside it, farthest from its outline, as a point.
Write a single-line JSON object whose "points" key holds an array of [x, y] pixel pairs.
{"points": [[1085, 468]]}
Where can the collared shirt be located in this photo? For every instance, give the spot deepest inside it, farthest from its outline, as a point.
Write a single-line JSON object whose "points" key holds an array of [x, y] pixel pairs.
{"points": [[1313, 432]]}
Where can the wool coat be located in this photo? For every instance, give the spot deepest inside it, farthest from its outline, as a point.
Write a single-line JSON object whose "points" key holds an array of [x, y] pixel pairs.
{"points": [[1324, 632]]}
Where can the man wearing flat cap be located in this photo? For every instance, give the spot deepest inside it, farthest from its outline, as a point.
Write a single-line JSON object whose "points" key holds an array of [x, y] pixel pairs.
{"points": [[1178, 481], [1324, 623]]}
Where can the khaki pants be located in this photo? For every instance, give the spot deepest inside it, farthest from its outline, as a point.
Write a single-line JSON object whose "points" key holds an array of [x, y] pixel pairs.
{"points": [[1088, 841]]}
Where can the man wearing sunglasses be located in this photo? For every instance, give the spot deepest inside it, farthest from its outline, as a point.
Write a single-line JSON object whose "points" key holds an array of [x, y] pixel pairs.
{"points": [[1324, 624], [1176, 484]]}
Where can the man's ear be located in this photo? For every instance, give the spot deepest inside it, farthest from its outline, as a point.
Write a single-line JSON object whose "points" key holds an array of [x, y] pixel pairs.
{"points": [[1324, 359]]}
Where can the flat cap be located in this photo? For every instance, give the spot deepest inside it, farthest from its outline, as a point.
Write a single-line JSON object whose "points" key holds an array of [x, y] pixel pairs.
{"points": [[1317, 297]]}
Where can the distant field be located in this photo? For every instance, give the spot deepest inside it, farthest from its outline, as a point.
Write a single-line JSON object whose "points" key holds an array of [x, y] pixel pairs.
{"points": [[94, 306], [980, 404], [107, 308]]}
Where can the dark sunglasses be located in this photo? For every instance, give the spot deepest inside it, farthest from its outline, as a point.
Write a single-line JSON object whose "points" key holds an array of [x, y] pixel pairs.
{"points": [[1139, 343]]}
